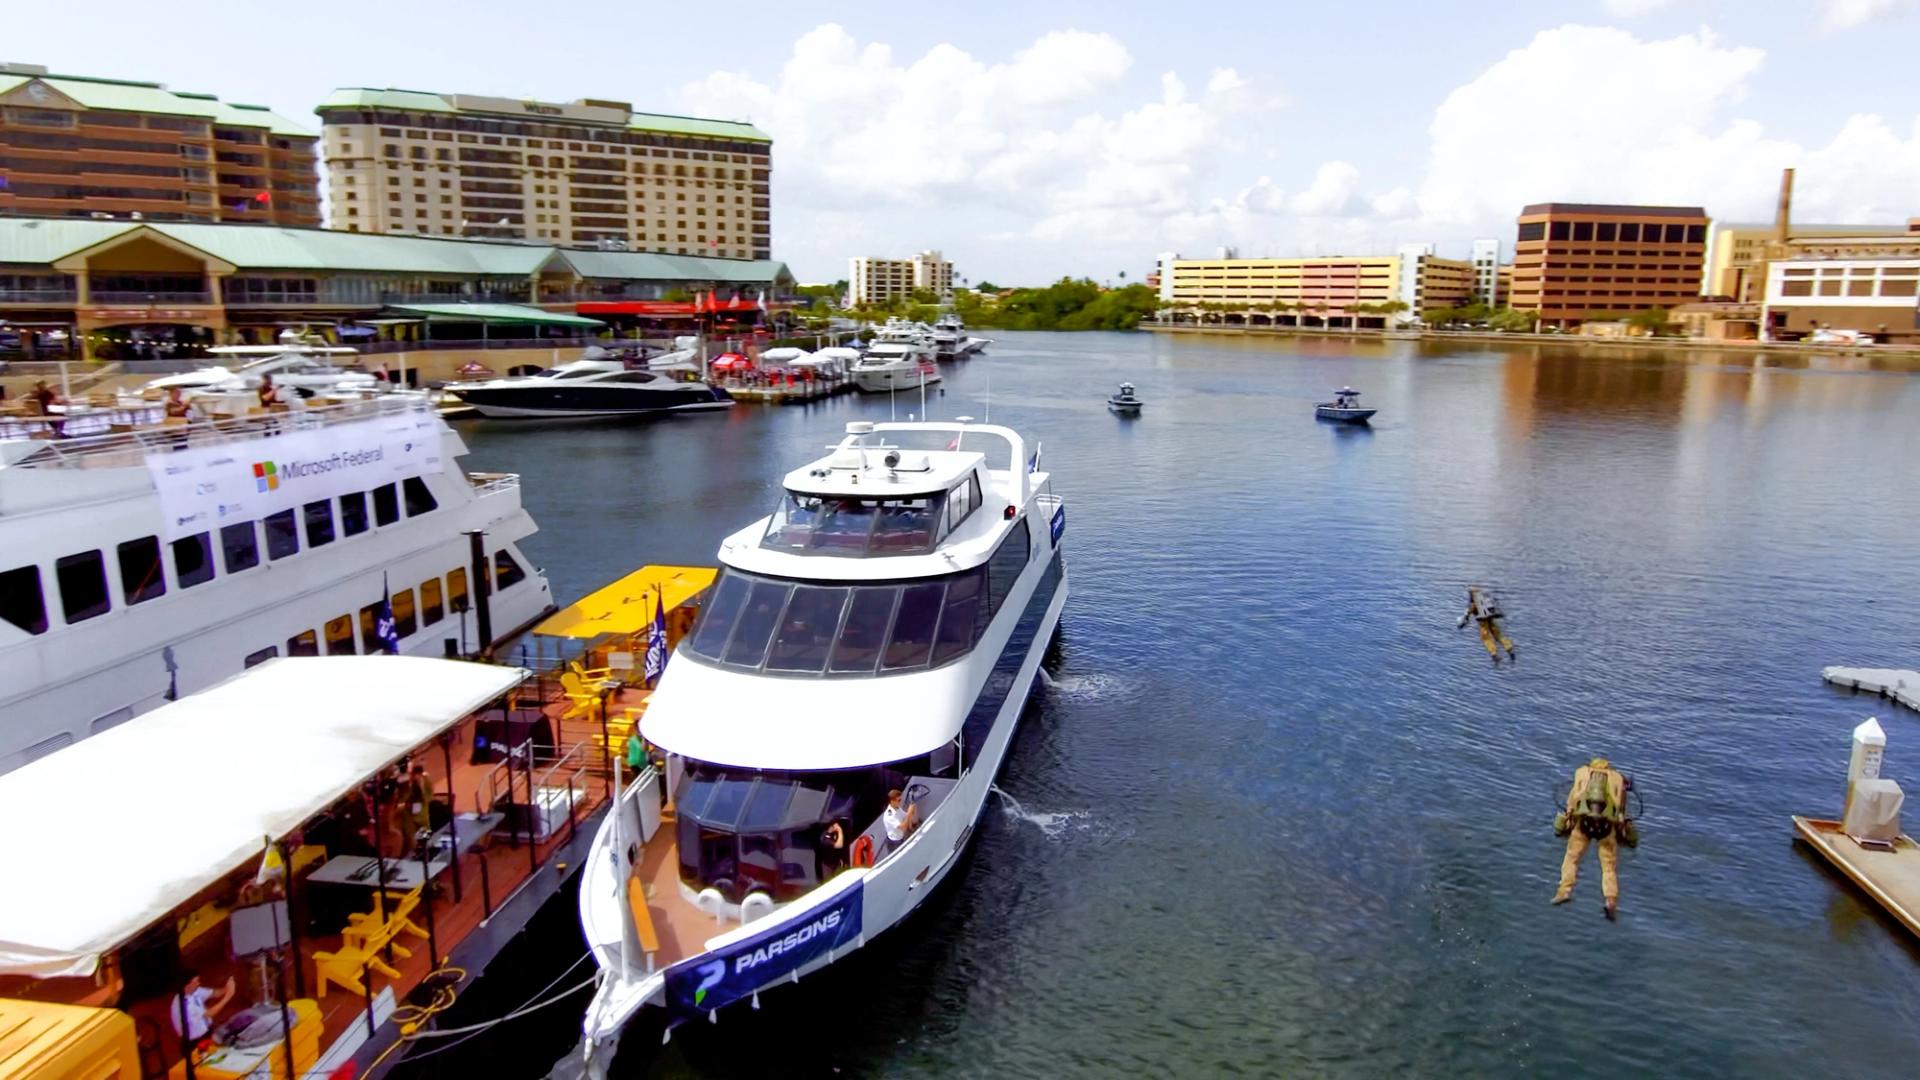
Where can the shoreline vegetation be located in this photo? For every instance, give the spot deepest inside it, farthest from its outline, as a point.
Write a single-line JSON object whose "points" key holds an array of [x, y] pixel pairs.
{"points": [[1067, 304], [1905, 352]]}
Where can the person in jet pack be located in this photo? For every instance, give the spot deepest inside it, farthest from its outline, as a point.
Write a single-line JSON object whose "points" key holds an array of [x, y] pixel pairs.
{"points": [[1596, 813], [1485, 611]]}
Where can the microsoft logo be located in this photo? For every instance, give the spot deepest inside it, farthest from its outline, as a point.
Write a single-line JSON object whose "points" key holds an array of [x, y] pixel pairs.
{"points": [[265, 477]]}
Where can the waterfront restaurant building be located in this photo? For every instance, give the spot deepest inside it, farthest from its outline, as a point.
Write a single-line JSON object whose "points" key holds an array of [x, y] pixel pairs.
{"points": [[583, 174], [77, 146], [872, 280], [1578, 261], [1348, 291], [103, 289]]}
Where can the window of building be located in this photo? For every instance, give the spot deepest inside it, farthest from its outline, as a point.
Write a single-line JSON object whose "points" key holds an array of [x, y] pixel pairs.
{"points": [[319, 517], [1860, 287], [1629, 232], [239, 547], [1696, 234], [506, 571], [419, 499], [431, 609], [1792, 287], [21, 601], [141, 577], [1607, 231], [353, 514], [1583, 230], [339, 634], [82, 578], [193, 560], [283, 536], [255, 659], [386, 504], [304, 643], [1561, 230]]}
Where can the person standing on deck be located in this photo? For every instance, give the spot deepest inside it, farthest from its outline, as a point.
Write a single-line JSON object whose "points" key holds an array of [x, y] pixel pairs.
{"points": [[1483, 610], [1596, 812]]}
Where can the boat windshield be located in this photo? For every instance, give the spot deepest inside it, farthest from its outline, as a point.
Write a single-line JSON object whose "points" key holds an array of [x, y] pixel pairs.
{"points": [[857, 528]]}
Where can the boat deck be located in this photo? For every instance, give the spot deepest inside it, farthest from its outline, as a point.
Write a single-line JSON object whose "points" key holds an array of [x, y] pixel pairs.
{"points": [[1891, 878]]}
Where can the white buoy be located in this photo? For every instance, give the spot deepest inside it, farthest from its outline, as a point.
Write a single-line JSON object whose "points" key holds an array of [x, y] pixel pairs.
{"points": [[1869, 750]]}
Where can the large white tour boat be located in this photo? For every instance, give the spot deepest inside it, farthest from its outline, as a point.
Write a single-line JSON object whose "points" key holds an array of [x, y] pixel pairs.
{"points": [[142, 566], [877, 634]]}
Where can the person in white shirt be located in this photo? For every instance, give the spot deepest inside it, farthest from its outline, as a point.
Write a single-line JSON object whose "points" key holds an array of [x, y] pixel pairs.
{"points": [[198, 1008], [899, 820]]}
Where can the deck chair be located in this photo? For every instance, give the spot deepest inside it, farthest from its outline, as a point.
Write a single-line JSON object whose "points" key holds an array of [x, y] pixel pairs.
{"points": [[584, 700], [342, 968], [374, 930]]}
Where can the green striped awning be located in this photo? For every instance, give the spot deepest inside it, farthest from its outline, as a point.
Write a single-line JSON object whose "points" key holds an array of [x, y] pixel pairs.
{"points": [[492, 313]]}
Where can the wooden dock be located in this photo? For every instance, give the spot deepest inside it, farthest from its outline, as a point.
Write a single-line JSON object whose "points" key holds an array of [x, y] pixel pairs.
{"points": [[785, 393], [1891, 878]]}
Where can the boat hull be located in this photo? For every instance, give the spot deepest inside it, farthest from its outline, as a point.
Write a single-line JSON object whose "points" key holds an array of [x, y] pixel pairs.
{"points": [[893, 380], [1343, 416], [1125, 408], [525, 402]]}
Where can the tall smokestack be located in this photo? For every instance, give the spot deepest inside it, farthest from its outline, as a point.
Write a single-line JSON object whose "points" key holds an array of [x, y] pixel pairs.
{"points": [[1785, 212]]}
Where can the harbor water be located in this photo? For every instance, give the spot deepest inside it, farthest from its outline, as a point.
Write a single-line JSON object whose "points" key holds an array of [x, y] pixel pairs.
{"points": [[1272, 813]]}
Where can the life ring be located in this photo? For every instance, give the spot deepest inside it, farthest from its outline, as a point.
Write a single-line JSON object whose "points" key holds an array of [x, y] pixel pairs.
{"points": [[862, 853]]}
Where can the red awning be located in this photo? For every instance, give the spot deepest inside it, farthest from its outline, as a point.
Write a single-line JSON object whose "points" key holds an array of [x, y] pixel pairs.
{"points": [[635, 307]]}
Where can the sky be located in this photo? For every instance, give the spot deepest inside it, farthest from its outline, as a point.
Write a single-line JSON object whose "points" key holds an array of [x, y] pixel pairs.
{"points": [[1031, 141]]}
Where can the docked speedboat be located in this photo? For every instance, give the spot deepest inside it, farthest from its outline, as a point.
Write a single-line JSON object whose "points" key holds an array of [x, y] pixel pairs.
{"points": [[142, 566], [301, 367], [1125, 401], [901, 358], [1345, 408], [597, 384], [877, 635]]}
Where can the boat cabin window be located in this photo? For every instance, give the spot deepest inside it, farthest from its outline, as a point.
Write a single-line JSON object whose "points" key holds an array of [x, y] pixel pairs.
{"points": [[283, 539], [403, 624], [744, 831], [370, 642], [319, 517], [834, 525], [506, 572], [141, 578], [456, 590], [634, 377], [21, 601], [340, 636], [262, 656], [386, 505], [420, 500], [964, 499], [431, 610], [239, 547], [353, 514], [304, 643], [784, 627], [193, 560], [83, 586]]}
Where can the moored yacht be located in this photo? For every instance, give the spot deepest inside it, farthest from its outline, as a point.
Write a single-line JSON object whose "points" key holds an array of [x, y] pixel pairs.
{"points": [[300, 366], [901, 358], [136, 568], [876, 636], [598, 384], [950, 338]]}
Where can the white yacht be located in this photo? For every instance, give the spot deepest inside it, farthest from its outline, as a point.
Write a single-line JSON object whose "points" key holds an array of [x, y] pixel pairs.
{"points": [[901, 358], [950, 338], [298, 366], [878, 633], [139, 567], [598, 384]]}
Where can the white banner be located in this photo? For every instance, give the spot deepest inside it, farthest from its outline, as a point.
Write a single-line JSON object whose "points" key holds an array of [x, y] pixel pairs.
{"points": [[204, 487]]}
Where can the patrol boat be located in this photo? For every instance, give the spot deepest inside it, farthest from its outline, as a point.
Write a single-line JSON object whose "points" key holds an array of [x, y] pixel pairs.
{"points": [[879, 631], [1345, 408]]}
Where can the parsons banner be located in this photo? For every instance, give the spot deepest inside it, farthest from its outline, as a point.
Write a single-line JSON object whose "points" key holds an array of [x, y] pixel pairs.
{"points": [[735, 971], [204, 487]]}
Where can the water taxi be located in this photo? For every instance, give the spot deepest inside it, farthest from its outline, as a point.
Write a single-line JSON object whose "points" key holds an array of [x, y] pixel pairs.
{"points": [[826, 735], [1345, 408], [141, 566], [1126, 401]]}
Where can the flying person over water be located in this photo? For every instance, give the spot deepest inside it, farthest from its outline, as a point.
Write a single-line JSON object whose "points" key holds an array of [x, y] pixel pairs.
{"points": [[1596, 813], [1485, 611]]}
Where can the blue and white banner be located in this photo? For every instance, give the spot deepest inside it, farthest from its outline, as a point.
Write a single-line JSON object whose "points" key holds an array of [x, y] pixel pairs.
{"points": [[205, 487], [734, 971], [1059, 523]]}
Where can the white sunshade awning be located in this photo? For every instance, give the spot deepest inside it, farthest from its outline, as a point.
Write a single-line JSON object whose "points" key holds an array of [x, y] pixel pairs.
{"points": [[112, 833]]}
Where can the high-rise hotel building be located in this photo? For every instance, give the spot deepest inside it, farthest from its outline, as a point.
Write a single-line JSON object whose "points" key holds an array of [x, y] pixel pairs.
{"points": [[585, 174], [1578, 261], [78, 146]]}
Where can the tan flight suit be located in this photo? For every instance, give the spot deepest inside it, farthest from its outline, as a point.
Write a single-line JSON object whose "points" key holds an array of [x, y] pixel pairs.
{"points": [[1481, 611], [1609, 844]]}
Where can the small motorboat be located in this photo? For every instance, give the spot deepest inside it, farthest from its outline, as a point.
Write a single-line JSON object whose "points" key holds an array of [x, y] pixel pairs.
{"points": [[1125, 402], [1345, 408]]}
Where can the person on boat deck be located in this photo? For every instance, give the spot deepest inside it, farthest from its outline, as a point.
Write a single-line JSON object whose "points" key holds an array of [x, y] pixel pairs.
{"points": [[177, 406], [833, 850], [45, 399], [1483, 610], [199, 1005], [1596, 813], [269, 394], [419, 794], [899, 819]]}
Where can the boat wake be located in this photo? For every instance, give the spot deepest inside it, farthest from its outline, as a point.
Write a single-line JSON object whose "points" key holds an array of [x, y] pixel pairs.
{"points": [[1054, 826], [1088, 687]]}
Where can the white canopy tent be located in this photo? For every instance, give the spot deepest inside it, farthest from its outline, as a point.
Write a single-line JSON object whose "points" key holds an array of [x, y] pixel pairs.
{"points": [[114, 832]]}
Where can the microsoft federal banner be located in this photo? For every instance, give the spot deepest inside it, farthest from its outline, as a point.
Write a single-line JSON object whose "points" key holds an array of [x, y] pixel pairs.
{"points": [[734, 971], [204, 487]]}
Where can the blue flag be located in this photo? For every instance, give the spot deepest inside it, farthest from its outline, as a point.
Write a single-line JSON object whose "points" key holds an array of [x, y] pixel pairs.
{"points": [[1033, 463], [383, 627], [657, 638]]}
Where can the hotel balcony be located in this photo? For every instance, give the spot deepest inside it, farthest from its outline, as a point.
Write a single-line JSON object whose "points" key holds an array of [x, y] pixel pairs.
{"points": [[119, 296]]}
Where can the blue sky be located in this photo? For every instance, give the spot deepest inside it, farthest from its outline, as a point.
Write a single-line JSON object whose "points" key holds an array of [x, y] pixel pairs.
{"points": [[1033, 140]]}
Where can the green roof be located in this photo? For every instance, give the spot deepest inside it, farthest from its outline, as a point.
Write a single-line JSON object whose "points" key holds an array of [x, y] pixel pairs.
{"points": [[362, 97], [153, 98], [39, 241], [492, 313]]}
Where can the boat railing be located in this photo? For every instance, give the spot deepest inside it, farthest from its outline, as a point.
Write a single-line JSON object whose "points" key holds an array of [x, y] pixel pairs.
{"points": [[121, 448], [492, 483]]}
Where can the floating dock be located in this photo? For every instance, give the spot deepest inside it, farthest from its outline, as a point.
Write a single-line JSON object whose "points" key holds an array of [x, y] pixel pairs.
{"points": [[1892, 878], [1899, 684], [783, 393]]}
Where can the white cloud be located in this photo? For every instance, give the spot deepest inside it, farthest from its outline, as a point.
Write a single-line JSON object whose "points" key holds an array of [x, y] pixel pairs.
{"points": [[1847, 14], [1628, 9]]}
